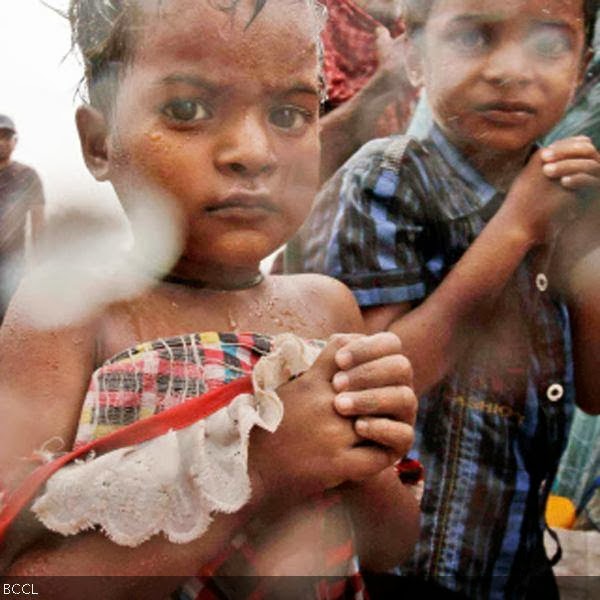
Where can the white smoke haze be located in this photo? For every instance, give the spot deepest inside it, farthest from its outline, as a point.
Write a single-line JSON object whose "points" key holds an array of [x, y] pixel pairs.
{"points": [[86, 261]]}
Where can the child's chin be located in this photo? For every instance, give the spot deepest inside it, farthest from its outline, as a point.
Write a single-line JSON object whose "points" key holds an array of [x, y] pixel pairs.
{"points": [[506, 142], [244, 254]]}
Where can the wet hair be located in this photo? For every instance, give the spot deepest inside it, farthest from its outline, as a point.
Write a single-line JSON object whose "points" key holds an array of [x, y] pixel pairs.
{"points": [[416, 12], [104, 33]]}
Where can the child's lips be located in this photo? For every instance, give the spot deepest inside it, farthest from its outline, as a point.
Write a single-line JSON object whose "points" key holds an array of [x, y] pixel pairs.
{"points": [[241, 204], [507, 113]]}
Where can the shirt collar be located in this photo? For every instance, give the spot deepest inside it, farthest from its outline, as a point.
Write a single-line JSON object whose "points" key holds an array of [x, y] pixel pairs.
{"points": [[485, 191]]}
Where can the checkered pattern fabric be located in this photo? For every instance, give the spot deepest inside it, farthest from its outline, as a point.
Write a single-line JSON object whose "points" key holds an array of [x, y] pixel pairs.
{"points": [[151, 377]]}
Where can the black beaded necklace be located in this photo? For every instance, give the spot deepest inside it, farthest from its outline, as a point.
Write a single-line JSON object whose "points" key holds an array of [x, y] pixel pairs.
{"points": [[203, 285]]}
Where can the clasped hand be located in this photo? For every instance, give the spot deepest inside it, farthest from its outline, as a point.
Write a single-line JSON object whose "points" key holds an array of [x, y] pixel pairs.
{"points": [[347, 418]]}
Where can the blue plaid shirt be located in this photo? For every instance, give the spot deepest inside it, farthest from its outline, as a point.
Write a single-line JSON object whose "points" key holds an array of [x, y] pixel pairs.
{"points": [[391, 224]]}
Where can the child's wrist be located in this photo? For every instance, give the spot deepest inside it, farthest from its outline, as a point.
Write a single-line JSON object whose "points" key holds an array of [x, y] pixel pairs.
{"points": [[516, 230]]}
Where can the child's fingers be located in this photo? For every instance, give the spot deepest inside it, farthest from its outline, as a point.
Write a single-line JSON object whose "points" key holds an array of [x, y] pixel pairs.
{"points": [[397, 437], [325, 362], [388, 370], [575, 147], [399, 402], [574, 166], [363, 462], [367, 348], [581, 181]]}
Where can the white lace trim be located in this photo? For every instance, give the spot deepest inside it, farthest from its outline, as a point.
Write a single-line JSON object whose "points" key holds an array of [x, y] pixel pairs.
{"points": [[174, 483]]}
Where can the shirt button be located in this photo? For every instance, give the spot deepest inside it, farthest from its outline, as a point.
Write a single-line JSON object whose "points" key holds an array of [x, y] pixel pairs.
{"points": [[541, 282], [555, 392]]}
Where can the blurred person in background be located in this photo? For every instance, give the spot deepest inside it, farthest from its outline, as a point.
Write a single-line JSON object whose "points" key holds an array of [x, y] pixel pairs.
{"points": [[21, 194], [368, 92]]}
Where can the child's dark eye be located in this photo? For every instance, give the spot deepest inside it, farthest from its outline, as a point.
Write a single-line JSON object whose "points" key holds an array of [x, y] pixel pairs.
{"points": [[186, 110], [289, 118], [549, 43]]}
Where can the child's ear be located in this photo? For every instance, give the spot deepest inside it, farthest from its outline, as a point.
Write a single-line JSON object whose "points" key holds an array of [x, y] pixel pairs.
{"points": [[413, 59], [93, 133], [585, 63]]}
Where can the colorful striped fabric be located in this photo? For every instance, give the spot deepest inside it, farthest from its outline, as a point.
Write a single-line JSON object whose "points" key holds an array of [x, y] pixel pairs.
{"points": [[151, 377]]}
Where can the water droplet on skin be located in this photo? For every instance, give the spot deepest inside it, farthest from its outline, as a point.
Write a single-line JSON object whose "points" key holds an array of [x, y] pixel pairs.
{"points": [[232, 322]]}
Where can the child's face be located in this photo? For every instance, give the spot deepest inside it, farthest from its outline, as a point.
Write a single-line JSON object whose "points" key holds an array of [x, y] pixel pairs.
{"points": [[383, 10], [8, 141], [499, 75], [223, 121]]}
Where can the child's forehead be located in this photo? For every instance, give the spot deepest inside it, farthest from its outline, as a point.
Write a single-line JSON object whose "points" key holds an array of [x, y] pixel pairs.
{"points": [[273, 18], [509, 8], [284, 31]]}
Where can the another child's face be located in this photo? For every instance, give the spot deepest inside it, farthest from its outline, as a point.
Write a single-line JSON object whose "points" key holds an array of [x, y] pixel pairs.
{"points": [[384, 10], [223, 121], [500, 74]]}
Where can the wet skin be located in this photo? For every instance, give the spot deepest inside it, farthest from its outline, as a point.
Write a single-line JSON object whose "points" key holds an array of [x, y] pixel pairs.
{"points": [[500, 74], [235, 110]]}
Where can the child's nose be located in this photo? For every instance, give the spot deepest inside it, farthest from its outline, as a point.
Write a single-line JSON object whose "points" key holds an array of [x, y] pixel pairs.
{"points": [[245, 148], [509, 64]]}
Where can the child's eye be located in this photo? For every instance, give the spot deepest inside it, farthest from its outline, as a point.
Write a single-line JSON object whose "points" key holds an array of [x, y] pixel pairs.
{"points": [[549, 43], [186, 111], [470, 39], [289, 118]]}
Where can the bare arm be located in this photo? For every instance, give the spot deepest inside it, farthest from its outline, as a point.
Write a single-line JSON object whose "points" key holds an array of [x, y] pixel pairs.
{"points": [[585, 318], [436, 333], [385, 514], [44, 375], [93, 554], [575, 268], [346, 128]]}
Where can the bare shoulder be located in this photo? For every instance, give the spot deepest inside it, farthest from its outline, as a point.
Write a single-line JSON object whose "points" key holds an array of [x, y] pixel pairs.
{"points": [[31, 329], [328, 298]]}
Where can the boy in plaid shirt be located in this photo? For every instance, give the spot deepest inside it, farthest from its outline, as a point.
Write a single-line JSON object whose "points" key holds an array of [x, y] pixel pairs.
{"points": [[474, 246]]}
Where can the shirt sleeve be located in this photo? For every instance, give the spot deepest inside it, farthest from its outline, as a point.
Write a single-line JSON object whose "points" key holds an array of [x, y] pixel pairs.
{"points": [[375, 243], [35, 191]]}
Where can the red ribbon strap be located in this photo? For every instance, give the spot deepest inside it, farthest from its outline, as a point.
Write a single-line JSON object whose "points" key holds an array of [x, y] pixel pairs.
{"points": [[177, 417]]}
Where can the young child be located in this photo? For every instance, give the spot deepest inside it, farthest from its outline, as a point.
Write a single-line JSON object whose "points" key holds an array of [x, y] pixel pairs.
{"points": [[453, 245], [213, 108]]}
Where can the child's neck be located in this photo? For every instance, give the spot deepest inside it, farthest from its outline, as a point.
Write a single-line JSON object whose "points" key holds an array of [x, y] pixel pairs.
{"points": [[498, 168], [220, 286], [214, 278]]}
